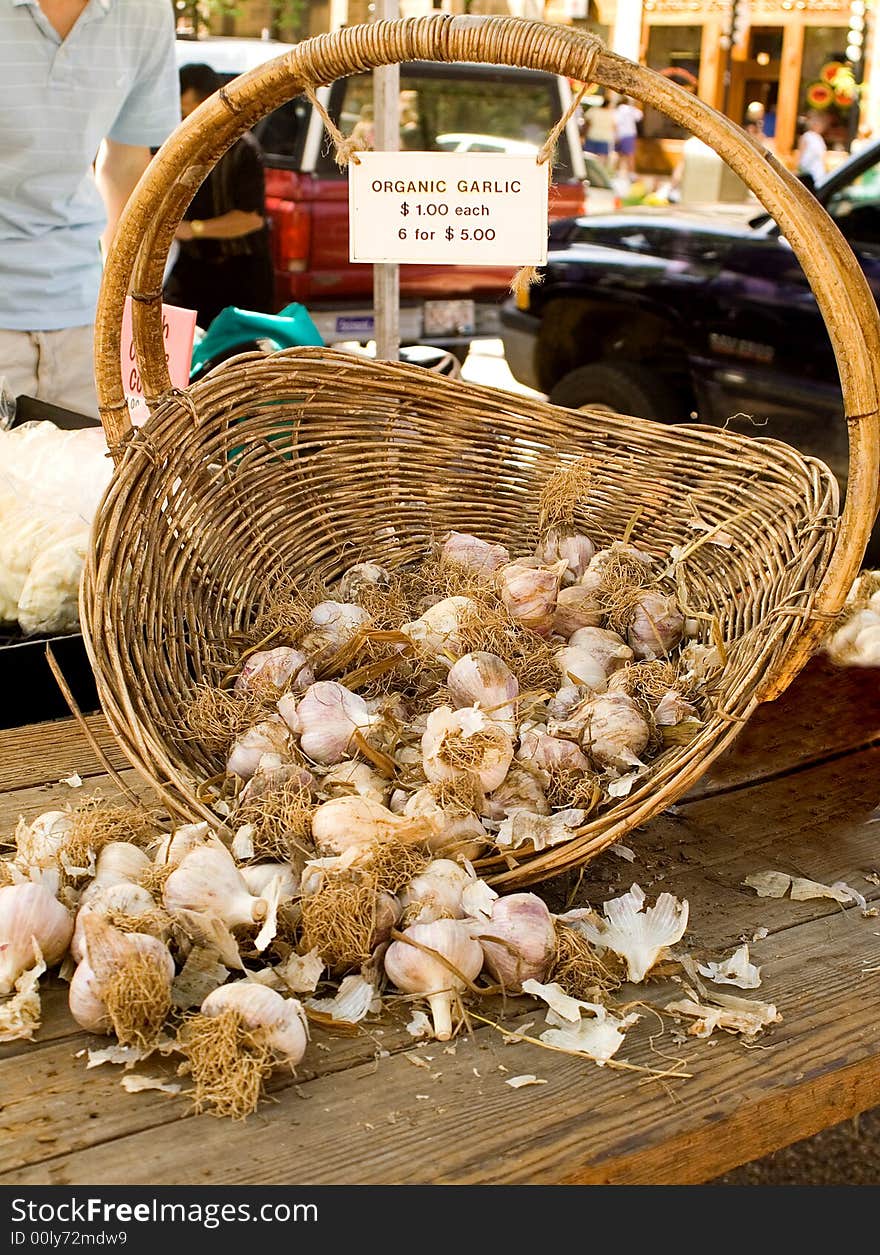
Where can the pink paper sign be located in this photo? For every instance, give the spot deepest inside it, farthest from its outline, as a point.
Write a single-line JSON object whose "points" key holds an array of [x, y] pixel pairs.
{"points": [[178, 328]]}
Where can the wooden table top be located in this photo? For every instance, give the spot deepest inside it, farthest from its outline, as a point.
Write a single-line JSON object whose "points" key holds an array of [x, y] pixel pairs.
{"points": [[795, 793]]}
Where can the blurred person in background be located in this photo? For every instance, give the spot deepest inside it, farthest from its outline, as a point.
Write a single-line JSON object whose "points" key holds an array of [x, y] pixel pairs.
{"points": [[224, 258], [627, 116], [811, 150], [600, 138], [87, 88]]}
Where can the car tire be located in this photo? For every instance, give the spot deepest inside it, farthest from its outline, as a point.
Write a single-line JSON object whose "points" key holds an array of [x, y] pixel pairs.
{"points": [[621, 388]]}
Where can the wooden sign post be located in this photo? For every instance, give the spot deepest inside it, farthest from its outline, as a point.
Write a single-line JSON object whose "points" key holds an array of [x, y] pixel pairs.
{"points": [[386, 277]]}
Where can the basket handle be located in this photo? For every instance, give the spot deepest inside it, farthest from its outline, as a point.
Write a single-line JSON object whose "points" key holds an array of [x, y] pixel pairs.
{"points": [[137, 258]]}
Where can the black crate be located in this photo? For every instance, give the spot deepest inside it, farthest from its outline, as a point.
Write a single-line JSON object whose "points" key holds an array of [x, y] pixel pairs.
{"points": [[30, 690]]}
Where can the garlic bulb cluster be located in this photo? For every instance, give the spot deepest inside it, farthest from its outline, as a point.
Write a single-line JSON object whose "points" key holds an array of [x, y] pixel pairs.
{"points": [[437, 632], [577, 550], [269, 736], [529, 591], [40, 843], [99, 998], [333, 625], [360, 577], [657, 626], [518, 940], [855, 640], [208, 882], [483, 680]]}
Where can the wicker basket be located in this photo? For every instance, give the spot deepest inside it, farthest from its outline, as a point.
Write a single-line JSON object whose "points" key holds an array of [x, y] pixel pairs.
{"points": [[309, 460]]}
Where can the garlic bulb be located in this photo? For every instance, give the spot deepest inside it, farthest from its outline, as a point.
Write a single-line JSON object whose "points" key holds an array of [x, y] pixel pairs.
{"points": [[437, 633], [414, 972], [273, 773], [30, 915], [483, 680], [636, 558], [577, 606], [334, 624], [529, 591], [99, 998], [614, 731], [521, 790], [259, 876], [519, 941], [179, 843], [345, 822], [564, 701], [329, 715], [473, 553], [465, 742], [656, 627], [362, 575], [435, 893], [270, 736], [446, 828], [208, 882], [119, 862], [580, 668], [577, 550], [609, 649], [279, 668], [355, 778], [280, 1022], [550, 753], [113, 900], [39, 843]]}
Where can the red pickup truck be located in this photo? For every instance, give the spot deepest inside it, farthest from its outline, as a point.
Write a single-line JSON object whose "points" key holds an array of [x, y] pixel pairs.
{"points": [[444, 108]]}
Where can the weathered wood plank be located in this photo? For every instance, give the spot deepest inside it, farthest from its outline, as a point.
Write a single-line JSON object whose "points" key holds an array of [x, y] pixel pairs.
{"points": [[33, 801], [393, 1124], [41, 753], [827, 711]]}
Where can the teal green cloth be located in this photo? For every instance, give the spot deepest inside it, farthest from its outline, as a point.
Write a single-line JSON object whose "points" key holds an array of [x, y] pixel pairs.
{"points": [[232, 327]]}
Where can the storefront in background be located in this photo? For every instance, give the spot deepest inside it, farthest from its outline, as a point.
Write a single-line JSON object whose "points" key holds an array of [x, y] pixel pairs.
{"points": [[791, 58]]}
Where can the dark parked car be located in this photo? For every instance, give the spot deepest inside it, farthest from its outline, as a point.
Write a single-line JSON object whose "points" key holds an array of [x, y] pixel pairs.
{"points": [[670, 315]]}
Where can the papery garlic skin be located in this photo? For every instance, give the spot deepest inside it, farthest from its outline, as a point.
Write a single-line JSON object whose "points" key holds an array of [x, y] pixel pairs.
{"points": [[280, 1022], [673, 709], [455, 737], [272, 773], [414, 972], [618, 550], [329, 716], [437, 633], [29, 913], [279, 668], [519, 941], [208, 882], [362, 576], [484, 680], [529, 592], [269, 736], [565, 701], [435, 893], [640, 936], [474, 553], [657, 626], [577, 550], [39, 843], [610, 650], [523, 827]]}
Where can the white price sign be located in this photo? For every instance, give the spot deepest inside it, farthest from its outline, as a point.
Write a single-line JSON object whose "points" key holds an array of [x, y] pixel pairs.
{"points": [[448, 208]]}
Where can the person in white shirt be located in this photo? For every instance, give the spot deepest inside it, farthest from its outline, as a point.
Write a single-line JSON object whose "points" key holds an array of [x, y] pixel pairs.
{"points": [[626, 119], [811, 151]]}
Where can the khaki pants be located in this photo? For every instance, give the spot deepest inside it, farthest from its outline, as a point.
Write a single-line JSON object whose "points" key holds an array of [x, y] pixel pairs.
{"points": [[53, 366]]}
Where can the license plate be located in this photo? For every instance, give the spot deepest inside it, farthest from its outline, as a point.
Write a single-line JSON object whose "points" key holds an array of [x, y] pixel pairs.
{"points": [[445, 318]]}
